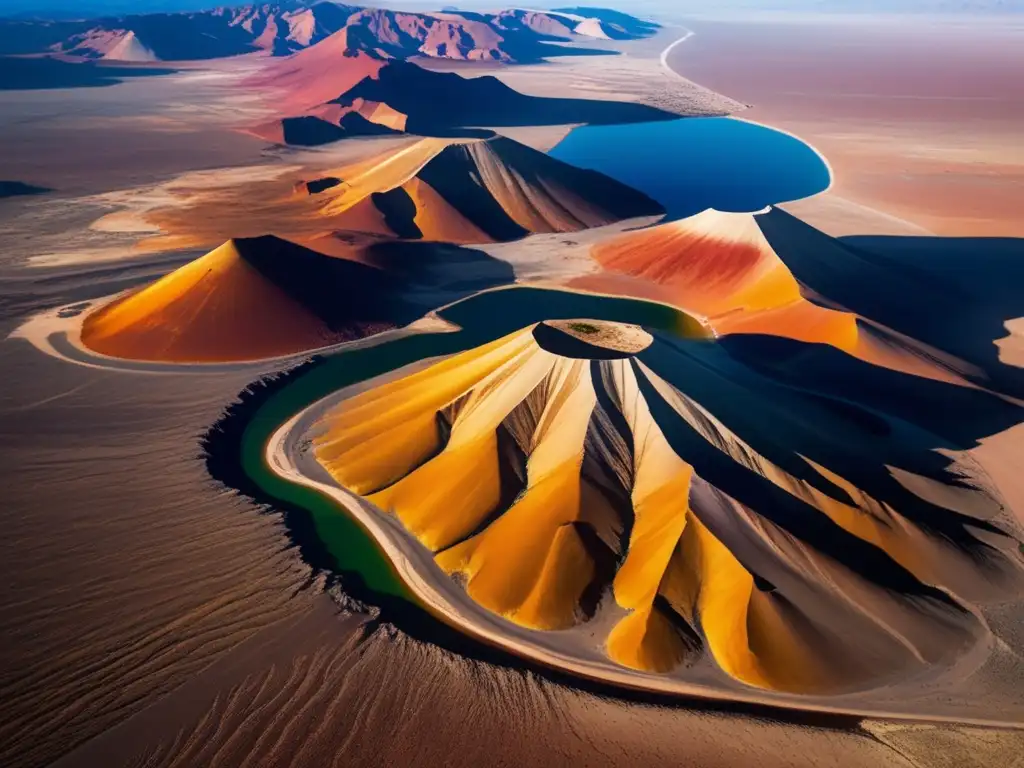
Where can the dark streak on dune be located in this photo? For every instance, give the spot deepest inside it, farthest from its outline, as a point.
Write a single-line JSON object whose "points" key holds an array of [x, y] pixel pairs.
{"points": [[222, 448], [317, 282], [757, 383], [317, 186], [448, 172]]}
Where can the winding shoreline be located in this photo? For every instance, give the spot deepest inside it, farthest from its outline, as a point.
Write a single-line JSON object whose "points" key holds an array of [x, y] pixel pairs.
{"points": [[430, 590], [666, 65]]}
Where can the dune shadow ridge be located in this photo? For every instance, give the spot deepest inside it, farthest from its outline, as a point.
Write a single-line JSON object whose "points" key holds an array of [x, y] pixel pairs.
{"points": [[398, 283], [953, 294]]}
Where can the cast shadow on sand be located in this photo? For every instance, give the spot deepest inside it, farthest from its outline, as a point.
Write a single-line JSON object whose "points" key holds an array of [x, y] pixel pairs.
{"points": [[957, 294], [20, 189], [395, 282], [952, 294], [29, 73], [439, 101]]}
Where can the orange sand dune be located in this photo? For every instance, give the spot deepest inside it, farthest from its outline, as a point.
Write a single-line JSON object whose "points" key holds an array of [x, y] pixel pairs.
{"points": [[719, 265], [477, 191], [231, 305], [545, 472], [722, 266]]}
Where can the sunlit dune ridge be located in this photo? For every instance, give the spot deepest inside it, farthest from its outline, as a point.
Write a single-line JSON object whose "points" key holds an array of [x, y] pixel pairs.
{"points": [[319, 73], [464, 191], [475, 191], [722, 266], [679, 505], [248, 299]]}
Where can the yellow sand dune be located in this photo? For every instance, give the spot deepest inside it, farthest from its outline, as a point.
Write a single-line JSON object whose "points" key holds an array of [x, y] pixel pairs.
{"points": [[216, 308], [478, 191], [539, 472]]}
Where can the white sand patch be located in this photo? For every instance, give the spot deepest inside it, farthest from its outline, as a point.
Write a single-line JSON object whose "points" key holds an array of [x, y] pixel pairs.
{"points": [[1011, 348]]}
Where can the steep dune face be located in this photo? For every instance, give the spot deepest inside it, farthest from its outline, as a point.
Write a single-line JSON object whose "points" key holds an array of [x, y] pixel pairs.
{"points": [[723, 266], [614, 24], [462, 39], [129, 48], [319, 73], [248, 299], [593, 28], [290, 31], [565, 478], [478, 191], [376, 112]]}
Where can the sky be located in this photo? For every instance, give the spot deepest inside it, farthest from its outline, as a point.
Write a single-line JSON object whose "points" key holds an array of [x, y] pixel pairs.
{"points": [[80, 8]]}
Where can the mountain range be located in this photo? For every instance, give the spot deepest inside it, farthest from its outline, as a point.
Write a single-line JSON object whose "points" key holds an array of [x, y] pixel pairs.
{"points": [[282, 28]]}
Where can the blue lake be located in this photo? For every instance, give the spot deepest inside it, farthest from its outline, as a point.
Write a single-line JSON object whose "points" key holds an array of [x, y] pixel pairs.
{"points": [[691, 164]]}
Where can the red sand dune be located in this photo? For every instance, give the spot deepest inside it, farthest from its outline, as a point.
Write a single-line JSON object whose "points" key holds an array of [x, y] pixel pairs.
{"points": [[318, 74], [722, 266]]}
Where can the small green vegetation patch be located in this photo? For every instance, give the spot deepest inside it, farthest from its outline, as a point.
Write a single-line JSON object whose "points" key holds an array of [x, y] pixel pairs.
{"points": [[584, 328]]}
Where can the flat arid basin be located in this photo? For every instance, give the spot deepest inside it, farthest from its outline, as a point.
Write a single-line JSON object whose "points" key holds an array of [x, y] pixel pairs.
{"points": [[514, 387]]}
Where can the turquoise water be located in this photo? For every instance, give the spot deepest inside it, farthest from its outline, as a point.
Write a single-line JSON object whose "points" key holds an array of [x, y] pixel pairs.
{"points": [[694, 163]]}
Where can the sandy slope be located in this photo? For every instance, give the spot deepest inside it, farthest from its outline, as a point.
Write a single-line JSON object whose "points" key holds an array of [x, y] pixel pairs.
{"points": [[545, 481], [319, 73], [235, 304], [730, 269], [476, 191]]}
